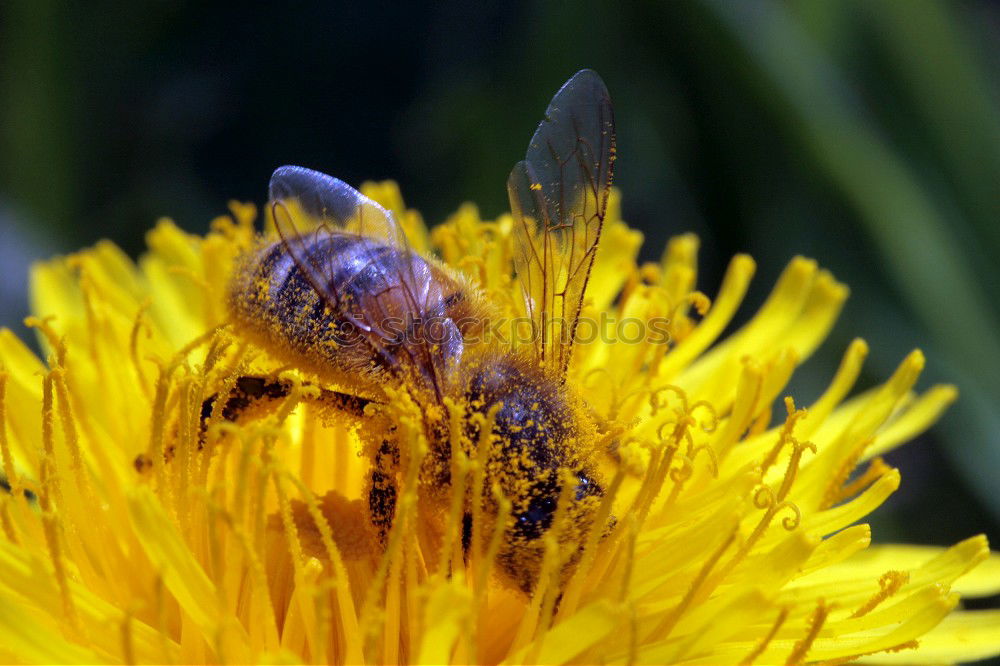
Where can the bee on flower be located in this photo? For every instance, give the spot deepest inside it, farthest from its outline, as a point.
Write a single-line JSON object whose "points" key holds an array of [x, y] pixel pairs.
{"points": [[327, 461], [342, 293]]}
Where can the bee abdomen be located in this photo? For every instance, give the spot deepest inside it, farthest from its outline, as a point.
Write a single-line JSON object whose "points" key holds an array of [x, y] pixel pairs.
{"points": [[535, 428]]}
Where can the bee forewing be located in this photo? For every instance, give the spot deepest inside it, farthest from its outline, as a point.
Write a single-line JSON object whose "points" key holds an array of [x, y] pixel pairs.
{"points": [[571, 152], [313, 199], [558, 196]]}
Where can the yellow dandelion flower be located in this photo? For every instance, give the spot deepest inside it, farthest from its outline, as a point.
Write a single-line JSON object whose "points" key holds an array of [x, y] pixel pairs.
{"points": [[180, 492], [127, 538]]}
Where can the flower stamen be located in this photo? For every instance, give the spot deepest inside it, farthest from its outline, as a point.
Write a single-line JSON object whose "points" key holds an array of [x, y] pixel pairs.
{"points": [[785, 435], [528, 626], [764, 642], [49, 499], [451, 546], [889, 584], [793, 466], [10, 473], [51, 494], [5, 521], [666, 625], [877, 468], [345, 601], [303, 570], [486, 424], [504, 508], [140, 323], [552, 565], [590, 565], [128, 647], [54, 339], [816, 622], [835, 488]]}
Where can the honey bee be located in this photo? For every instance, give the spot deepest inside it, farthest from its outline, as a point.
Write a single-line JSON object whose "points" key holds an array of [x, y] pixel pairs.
{"points": [[342, 296]]}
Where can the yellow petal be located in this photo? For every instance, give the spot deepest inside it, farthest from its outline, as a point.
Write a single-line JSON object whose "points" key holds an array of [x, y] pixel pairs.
{"points": [[575, 636], [962, 636], [980, 581], [183, 575]]}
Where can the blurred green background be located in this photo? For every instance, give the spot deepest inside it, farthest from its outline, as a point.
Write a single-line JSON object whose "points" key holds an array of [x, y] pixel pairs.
{"points": [[863, 133]]}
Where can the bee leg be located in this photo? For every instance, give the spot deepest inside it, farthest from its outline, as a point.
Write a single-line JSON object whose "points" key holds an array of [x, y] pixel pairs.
{"points": [[250, 393], [6, 487], [253, 394], [466, 534], [382, 496]]}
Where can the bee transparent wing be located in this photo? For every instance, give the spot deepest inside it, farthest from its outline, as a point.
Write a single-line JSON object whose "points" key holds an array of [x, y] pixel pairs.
{"points": [[307, 202], [355, 256], [559, 197]]}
